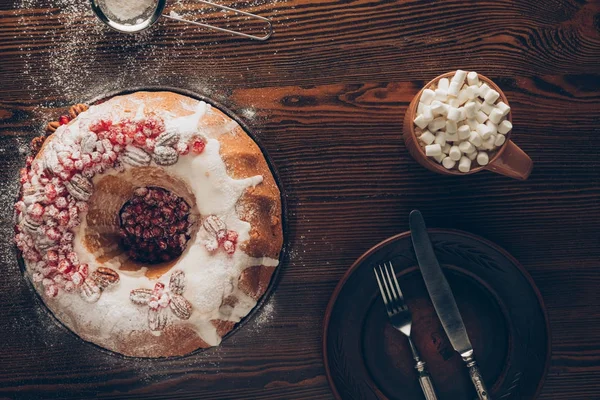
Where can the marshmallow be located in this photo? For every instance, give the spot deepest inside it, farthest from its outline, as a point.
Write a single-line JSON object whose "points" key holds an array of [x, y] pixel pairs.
{"points": [[455, 153], [441, 94], [451, 126], [484, 131], [452, 137], [475, 139], [427, 114], [504, 108], [438, 108], [463, 132], [454, 88], [471, 156], [453, 103], [488, 144], [463, 96], [420, 108], [483, 90], [481, 117], [470, 109], [459, 76], [464, 165], [421, 121], [448, 163], [483, 158], [486, 108], [493, 127], [472, 124], [427, 137], [427, 96], [491, 96], [446, 148], [466, 147], [473, 78], [453, 114], [433, 150], [500, 139], [472, 91], [439, 158], [440, 138], [463, 114], [443, 84], [437, 124], [496, 116], [504, 127]]}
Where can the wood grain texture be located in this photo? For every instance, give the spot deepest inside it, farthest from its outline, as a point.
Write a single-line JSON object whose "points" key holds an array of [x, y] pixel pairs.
{"points": [[327, 95]]}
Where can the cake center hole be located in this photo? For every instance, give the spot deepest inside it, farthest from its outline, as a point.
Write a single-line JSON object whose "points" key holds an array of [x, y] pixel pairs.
{"points": [[154, 225]]}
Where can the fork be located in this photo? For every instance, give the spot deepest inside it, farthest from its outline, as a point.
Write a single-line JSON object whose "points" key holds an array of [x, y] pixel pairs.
{"points": [[399, 315]]}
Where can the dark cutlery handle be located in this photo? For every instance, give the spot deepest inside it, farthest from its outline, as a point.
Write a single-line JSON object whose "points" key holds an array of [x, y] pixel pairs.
{"points": [[425, 381], [476, 378]]}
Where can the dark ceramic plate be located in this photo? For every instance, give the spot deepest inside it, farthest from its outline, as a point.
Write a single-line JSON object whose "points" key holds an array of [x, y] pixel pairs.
{"points": [[366, 358]]}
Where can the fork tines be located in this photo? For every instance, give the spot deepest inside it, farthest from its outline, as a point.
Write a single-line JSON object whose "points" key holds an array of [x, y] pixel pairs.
{"points": [[390, 289]]}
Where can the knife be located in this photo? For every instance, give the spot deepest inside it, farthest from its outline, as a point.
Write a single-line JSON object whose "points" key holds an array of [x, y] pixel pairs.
{"points": [[443, 300]]}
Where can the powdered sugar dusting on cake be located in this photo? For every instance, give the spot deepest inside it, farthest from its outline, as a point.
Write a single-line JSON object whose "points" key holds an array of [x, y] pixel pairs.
{"points": [[129, 301]]}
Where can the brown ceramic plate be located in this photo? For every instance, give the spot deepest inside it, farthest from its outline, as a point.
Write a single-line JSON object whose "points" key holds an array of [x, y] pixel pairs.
{"points": [[366, 358]]}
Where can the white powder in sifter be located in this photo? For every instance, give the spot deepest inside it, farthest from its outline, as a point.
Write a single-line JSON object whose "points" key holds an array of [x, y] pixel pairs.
{"points": [[128, 10]]}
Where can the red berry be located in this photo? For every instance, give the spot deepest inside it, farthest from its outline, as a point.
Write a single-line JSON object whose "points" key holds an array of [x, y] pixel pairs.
{"points": [[51, 256], [83, 270], [23, 176], [50, 191], [100, 126], [68, 164], [229, 247], [63, 218], [53, 234], [232, 236], [51, 290], [139, 138], [221, 236], [198, 146], [29, 161], [150, 144], [61, 202], [64, 119], [64, 266], [36, 210]]}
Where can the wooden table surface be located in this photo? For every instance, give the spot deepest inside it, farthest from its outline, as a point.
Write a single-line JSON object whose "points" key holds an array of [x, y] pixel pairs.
{"points": [[326, 95]]}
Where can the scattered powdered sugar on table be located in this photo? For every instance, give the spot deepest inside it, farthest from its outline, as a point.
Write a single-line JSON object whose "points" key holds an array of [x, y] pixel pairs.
{"points": [[77, 61]]}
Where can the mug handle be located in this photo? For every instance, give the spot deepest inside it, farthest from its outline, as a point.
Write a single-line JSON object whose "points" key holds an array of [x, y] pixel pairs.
{"points": [[512, 162]]}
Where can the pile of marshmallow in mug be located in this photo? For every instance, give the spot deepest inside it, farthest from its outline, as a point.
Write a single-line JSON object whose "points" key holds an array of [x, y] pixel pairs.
{"points": [[459, 122]]}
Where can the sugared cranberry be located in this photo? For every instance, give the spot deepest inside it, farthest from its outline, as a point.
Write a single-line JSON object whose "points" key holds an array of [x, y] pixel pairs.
{"points": [[198, 146], [61, 202], [51, 290], [50, 191], [64, 266], [229, 247], [139, 138], [64, 119], [36, 211], [150, 144], [149, 224]]}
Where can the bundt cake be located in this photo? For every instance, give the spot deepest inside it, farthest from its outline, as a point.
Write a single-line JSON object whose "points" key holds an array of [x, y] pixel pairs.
{"points": [[150, 224]]}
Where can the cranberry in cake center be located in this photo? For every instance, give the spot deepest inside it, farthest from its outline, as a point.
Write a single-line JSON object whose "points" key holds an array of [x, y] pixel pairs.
{"points": [[154, 225]]}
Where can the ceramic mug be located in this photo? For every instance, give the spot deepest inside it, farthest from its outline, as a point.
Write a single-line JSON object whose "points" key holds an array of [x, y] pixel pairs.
{"points": [[508, 160]]}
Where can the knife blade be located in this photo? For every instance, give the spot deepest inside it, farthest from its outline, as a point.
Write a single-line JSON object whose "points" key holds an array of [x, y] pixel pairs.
{"points": [[443, 300]]}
